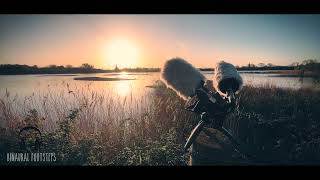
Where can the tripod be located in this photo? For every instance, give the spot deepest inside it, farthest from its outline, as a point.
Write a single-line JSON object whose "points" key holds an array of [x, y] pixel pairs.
{"points": [[212, 108]]}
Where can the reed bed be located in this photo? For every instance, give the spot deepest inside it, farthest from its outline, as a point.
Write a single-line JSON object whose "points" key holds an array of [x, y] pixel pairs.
{"points": [[86, 127]]}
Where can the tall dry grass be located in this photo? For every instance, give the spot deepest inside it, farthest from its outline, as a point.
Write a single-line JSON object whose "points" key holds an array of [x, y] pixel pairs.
{"points": [[86, 127]]}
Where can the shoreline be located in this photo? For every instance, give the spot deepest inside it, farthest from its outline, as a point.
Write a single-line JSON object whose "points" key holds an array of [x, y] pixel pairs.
{"points": [[271, 73]]}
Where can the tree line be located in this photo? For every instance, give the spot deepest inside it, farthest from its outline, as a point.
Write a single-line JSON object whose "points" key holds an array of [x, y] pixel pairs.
{"points": [[259, 66], [51, 69], [311, 65], [14, 69]]}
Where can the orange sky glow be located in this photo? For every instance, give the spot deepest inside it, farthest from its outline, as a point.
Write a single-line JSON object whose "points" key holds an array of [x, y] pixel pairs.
{"points": [[148, 41]]}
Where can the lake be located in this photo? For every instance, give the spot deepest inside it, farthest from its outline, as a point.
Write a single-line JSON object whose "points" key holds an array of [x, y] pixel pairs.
{"points": [[133, 83], [55, 95]]}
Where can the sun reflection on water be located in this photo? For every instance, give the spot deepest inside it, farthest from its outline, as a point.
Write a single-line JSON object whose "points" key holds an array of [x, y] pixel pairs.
{"points": [[123, 88], [124, 75]]}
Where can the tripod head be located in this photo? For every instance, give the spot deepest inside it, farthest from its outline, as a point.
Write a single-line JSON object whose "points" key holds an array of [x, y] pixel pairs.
{"points": [[212, 108]]}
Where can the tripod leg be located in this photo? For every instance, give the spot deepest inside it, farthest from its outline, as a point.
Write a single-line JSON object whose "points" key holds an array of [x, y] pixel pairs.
{"points": [[211, 150], [236, 144]]}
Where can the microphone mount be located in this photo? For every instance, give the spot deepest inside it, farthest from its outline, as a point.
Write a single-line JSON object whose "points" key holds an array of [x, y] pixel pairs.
{"points": [[210, 103], [212, 108]]}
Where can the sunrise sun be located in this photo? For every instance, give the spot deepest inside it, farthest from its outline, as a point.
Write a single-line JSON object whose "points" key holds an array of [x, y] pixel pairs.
{"points": [[121, 52]]}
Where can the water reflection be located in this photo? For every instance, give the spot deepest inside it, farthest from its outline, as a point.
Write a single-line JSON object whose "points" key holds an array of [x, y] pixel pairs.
{"points": [[123, 88], [55, 96], [123, 74], [25, 85]]}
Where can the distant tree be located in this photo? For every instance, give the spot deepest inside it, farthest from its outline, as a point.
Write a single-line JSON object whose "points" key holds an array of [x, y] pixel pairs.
{"points": [[251, 65], [294, 64], [270, 65], [69, 66], [309, 65], [52, 66], [261, 65], [87, 66], [309, 62]]}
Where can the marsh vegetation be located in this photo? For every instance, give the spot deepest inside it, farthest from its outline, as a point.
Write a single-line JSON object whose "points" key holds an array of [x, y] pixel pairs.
{"points": [[278, 126]]}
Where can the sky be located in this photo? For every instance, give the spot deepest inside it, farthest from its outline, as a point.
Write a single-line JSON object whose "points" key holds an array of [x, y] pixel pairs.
{"points": [[149, 40]]}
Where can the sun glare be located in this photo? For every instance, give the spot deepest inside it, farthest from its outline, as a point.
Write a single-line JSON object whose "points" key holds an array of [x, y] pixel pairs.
{"points": [[123, 88], [122, 53]]}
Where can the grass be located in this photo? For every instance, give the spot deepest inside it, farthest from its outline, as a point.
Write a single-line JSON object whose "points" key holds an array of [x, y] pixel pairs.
{"points": [[278, 126]]}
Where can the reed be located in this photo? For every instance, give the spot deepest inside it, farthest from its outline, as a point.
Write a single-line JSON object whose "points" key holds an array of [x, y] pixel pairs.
{"points": [[86, 127]]}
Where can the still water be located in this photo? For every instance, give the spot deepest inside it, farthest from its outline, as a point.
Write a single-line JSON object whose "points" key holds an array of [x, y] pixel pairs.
{"points": [[53, 96], [26, 85]]}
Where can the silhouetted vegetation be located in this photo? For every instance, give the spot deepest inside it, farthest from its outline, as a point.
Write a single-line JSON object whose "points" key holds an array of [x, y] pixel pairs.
{"points": [[13, 69], [263, 67], [258, 67], [309, 66], [277, 126], [7, 69], [206, 69], [139, 69]]}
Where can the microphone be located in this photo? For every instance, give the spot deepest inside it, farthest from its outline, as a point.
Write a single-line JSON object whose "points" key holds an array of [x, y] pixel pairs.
{"points": [[182, 77], [227, 81], [190, 84]]}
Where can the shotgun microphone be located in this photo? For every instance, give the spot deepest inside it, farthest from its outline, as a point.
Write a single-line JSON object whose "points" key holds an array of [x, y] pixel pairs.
{"points": [[182, 77], [192, 86], [227, 81]]}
